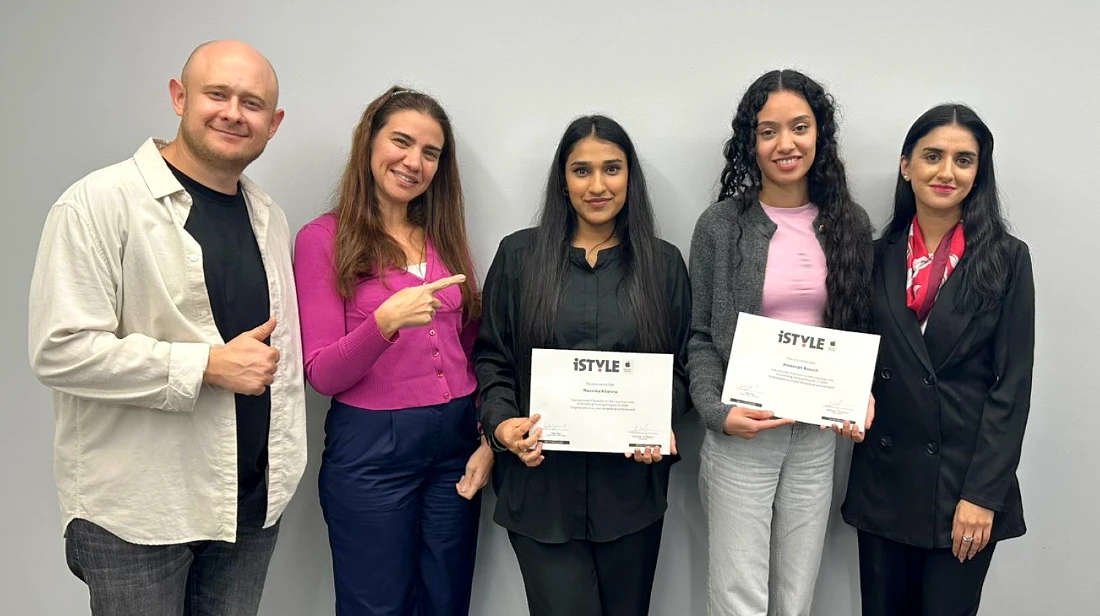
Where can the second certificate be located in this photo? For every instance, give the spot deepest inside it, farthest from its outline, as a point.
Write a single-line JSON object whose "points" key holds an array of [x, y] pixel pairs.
{"points": [[809, 374], [602, 401]]}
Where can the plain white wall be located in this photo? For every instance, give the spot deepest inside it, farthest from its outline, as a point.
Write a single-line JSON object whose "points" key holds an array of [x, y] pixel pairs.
{"points": [[83, 83]]}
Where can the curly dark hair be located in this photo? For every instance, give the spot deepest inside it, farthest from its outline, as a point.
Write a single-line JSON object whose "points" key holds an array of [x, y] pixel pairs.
{"points": [[847, 240], [984, 266]]}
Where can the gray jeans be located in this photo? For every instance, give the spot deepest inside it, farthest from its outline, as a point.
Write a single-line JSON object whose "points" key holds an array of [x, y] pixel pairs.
{"points": [[201, 578], [767, 503]]}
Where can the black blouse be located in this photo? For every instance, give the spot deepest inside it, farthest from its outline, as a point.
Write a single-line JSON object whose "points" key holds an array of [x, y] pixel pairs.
{"points": [[571, 496]]}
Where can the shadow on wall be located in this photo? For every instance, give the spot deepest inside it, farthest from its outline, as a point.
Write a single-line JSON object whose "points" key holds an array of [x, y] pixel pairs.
{"points": [[302, 553]]}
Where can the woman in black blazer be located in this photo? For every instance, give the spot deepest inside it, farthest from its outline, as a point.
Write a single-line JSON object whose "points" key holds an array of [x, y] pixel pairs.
{"points": [[933, 486]]}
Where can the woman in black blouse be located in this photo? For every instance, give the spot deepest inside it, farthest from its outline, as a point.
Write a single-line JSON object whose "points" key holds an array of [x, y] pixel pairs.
{"points": [[593, 275]]}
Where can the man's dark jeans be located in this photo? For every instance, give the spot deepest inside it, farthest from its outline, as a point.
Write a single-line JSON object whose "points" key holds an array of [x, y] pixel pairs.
{"points": [[201, 578]]}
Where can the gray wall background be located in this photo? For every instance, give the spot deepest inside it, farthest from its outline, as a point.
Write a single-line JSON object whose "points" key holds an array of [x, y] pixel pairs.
{"points": [[83, 83]]}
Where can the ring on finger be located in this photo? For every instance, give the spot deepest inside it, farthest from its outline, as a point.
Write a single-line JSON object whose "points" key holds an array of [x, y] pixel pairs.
{"points": [[968, 538]]}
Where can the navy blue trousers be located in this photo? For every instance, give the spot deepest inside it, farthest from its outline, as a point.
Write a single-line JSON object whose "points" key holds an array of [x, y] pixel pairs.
{"points": [[403, 540]]}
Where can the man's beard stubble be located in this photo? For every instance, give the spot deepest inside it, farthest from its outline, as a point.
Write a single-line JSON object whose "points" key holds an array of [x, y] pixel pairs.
{"points": [[216, 160]]}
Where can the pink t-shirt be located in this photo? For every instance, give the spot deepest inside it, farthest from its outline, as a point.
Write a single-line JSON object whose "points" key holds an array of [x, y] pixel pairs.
{"points": [[794, 280], [346, 355]]}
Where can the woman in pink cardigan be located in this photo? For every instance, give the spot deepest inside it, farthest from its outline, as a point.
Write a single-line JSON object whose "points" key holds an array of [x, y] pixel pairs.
{"points": [[389, 316]]}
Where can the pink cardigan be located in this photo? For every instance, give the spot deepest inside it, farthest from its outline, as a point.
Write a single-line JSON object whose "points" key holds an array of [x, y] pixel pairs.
{"points": [[347, 357]]}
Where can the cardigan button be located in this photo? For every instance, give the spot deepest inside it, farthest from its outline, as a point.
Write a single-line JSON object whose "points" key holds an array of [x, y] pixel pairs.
{"points": [[930, 380], [886, 442], [886, 374], [932, 448]]}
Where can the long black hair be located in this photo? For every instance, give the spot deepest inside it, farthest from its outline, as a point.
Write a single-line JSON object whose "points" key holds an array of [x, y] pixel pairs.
{"points": [[984, 266], [635, 226], [847, 244]]}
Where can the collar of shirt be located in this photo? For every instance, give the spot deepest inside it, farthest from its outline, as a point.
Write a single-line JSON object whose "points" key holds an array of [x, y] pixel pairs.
{"points": [[162, 183]]}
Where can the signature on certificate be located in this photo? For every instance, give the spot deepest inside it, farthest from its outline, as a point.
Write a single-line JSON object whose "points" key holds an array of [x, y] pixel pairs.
{"points": [[750, 391], [837, 406], [554, 433], [642, 432], [554, 428]]}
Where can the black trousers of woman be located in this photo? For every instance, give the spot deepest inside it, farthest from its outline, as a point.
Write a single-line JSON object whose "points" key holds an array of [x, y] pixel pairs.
{"points": [[902, 580], [589, 578]]}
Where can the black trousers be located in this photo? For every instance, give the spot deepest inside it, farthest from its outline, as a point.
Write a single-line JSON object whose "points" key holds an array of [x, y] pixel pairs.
{"points": [[588, 578], [903, 580]]}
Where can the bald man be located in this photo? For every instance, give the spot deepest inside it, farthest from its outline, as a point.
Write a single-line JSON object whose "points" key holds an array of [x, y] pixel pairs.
{"points": [[163, 316]]}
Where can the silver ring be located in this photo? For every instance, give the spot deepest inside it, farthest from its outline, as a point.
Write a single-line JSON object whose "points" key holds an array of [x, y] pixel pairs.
{"points": [[967, 538]]}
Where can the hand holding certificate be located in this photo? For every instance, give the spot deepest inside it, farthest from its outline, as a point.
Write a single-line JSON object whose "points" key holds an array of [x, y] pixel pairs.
{"points": [[519, 436], [602, 401], [810, 374]]}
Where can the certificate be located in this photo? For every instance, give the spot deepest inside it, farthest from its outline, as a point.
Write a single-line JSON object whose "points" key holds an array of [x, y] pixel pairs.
{"points": [[602, 401], [810, 374]]}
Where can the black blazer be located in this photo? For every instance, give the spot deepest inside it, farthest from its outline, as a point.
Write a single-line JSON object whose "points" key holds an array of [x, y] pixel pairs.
{"points": [[951, 406]]}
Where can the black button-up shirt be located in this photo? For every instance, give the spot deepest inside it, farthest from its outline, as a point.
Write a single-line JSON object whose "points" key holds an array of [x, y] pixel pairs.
{"points": [[570, 496]]}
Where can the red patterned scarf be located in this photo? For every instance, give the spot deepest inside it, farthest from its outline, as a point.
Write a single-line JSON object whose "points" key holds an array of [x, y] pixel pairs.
{"points": [[927, 272]]}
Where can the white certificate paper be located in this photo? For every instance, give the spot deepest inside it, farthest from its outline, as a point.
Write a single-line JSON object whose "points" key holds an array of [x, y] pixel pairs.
{"points": [[602, 401], [810, 374]]}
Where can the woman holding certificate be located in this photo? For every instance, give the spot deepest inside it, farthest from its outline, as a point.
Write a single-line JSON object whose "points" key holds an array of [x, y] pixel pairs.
{"points": [[933, 488], [388, 321], [592, 276], [785, 241]]}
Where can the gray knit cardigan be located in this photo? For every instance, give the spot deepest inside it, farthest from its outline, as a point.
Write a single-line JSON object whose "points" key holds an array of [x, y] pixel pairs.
{"points": [[724, 285]]}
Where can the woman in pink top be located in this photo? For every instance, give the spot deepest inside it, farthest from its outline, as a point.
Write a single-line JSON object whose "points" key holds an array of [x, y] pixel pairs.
{"points": [[389, 316], [785, 240]]}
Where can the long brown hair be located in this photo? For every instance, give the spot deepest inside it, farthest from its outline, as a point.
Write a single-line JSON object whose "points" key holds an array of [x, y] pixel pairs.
{"points": [[363, 248]]}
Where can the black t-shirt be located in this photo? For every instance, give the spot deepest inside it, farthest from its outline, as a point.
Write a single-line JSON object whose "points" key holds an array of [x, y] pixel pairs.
{"points": [[236, 283]]}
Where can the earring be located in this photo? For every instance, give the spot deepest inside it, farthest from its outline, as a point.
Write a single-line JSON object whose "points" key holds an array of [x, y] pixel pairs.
{"points": [[905, 177]]}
